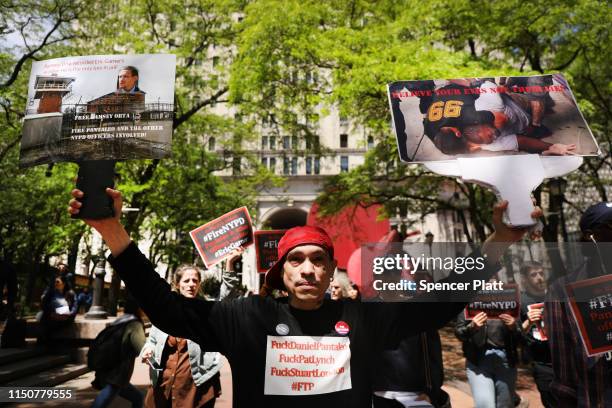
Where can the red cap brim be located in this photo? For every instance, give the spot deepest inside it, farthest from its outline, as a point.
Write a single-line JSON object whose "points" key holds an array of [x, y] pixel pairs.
{"points": [[274, 275]]}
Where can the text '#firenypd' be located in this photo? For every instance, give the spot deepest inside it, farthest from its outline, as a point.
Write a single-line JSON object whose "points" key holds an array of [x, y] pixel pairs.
{"points": [[223, 229]]}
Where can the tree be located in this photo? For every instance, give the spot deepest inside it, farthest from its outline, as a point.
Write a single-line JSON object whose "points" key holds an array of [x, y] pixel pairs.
{"points": [[357, 47], [172, 195]]}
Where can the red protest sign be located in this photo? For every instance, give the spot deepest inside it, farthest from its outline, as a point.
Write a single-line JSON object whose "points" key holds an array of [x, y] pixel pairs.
{"points": [[539, 333], [266, 244], [591, 304], [495, 302], [217, 239]]}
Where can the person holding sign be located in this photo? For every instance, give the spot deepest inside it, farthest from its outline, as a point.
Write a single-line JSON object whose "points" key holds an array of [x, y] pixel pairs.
{"points": [[580, 378], [305, 351], [181, 373], [489, 346], [536, 348]]}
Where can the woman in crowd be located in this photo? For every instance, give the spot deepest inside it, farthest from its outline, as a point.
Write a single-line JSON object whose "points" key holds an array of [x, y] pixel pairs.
{"points": [[181, 373], [59, 307]]}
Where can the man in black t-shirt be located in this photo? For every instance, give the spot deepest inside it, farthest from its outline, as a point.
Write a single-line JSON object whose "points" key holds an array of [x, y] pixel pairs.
{"points": [[305, 350]]}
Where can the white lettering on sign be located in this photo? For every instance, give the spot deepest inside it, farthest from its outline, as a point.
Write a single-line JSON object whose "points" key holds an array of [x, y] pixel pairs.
{"points": [[304, 365]]}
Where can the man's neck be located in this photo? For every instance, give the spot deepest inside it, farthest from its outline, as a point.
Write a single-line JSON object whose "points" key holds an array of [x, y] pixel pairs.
{"points": [[303, 304]]}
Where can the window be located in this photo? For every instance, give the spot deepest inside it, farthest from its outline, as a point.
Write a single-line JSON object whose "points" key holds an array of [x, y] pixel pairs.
{"points": [[264, 161], [309, 165], [215, 61], [264, 142], [343, 140], [294, 166], [311, 77], [294, 142], [273, 164], [211, 144], [312, 143], [290, 166], [344, 164], [370, 142], [317, 165], [286, 142], [272, 142]]}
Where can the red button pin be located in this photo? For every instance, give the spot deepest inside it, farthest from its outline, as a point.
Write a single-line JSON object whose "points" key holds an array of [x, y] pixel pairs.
{"points": [[342, 328]]}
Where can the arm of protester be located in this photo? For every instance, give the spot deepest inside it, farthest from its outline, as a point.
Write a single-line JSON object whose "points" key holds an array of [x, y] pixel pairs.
{"points": [[234, 256], [509, 322], [149, 346], [169, 311], [533, 316], [463, 328], [114, 234], [440, 306]]}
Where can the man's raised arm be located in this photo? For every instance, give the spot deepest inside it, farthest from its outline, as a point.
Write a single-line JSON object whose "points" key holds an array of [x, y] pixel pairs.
{"points": [[171, 312], [434, 309]]}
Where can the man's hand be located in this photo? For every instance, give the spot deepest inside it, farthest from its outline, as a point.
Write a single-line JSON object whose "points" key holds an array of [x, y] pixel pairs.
{"points": [[504, 236], [111, 229], [146, 353], [559, 149], [508, 320], [479, 320], [235, 254], [535, 315]]}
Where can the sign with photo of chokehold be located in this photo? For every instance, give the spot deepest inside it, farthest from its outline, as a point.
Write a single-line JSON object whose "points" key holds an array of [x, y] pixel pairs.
{"points": [[99, 107], [266, 248], [495, 302], [473, 117], [216, 239], [591, 304]]}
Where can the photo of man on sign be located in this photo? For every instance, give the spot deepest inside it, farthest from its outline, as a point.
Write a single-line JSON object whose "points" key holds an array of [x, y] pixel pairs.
{"points": [[438, 120], [93, 107]]}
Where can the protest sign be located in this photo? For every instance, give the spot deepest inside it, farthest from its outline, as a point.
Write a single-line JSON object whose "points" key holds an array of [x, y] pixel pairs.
{"points": [[438, 120], [538, 331], [217, 239], [266, 248], [304, 365], [591, 304], [495, 302], [99, 107]]}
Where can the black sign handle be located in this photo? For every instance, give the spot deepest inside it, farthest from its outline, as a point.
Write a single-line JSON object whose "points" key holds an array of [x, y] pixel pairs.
{"points": [[93, 179]]}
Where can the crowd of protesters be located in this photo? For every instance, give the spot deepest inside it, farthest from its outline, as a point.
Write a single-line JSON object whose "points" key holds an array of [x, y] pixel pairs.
{"points": [[396, 354]]}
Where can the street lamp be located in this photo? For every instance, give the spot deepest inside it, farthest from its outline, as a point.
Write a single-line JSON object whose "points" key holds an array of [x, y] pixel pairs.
{"points": [[97, 311]]}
